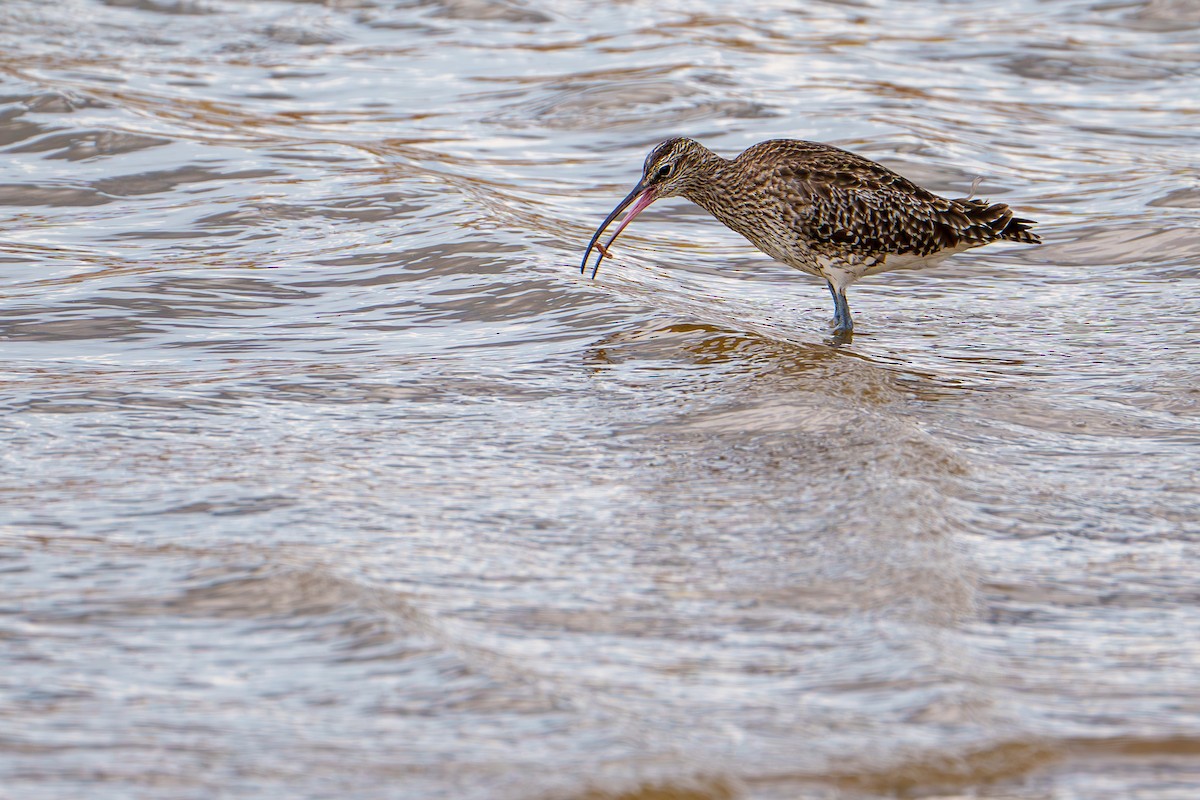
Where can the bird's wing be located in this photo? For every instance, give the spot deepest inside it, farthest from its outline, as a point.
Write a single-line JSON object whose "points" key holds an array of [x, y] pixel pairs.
{"points": [[838, 198], [866, 207]]}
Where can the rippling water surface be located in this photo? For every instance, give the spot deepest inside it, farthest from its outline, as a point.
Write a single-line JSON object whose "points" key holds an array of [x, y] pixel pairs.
{"points": [[326, 474]]}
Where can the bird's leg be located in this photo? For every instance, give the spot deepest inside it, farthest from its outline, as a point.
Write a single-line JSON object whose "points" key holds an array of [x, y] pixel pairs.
{"points": [[842, 322], [847, 323]]}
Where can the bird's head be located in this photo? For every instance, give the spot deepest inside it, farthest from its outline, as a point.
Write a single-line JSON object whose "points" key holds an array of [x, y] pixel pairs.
{"points": [[676, 167]]}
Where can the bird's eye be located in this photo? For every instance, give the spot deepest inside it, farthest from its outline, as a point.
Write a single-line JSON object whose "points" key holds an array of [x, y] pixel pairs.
{"points": [[664, 172]]}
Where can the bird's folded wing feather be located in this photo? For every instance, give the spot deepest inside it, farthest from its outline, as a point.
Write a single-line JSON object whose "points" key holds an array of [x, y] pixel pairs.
{"points": [[868, 208]]}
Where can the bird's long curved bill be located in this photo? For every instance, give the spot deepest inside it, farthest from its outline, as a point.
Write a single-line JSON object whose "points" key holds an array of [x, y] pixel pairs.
{"points": [[641, 196]]}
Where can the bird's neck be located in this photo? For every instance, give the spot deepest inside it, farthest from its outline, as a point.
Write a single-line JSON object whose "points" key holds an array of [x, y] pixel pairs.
{"points": [[709, 183], [732, 196], [714, 187]]}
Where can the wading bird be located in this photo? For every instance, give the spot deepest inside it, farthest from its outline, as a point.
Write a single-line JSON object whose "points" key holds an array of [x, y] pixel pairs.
{"points": [[818, 208]]}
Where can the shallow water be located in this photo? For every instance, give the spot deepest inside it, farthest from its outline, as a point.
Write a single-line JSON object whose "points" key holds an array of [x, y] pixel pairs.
{"points": [[327, 474]]}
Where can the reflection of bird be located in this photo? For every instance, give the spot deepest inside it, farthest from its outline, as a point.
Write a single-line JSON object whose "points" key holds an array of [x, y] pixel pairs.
{"points": [[820, 209]]}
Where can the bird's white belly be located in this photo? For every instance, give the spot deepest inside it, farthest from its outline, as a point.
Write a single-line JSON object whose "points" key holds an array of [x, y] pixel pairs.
{"points": [[840, 269], [916, 261], [842, 272]]}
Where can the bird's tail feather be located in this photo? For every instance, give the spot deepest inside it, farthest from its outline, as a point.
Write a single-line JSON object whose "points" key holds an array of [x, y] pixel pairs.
{"points": [[998, 220]]}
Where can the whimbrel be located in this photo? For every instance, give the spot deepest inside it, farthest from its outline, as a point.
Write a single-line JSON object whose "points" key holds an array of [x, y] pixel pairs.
{"points": [[818, 208]]}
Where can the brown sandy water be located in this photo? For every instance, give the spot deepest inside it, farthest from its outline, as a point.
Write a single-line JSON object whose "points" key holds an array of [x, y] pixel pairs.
{"points": [[325, 474]]}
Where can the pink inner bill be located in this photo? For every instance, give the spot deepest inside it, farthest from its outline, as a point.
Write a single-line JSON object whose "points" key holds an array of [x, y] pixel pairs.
{"points": [[644, 199]]}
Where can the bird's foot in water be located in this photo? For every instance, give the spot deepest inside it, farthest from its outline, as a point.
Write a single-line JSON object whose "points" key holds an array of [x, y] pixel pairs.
{"points": [[843, 329], [842, 325]]}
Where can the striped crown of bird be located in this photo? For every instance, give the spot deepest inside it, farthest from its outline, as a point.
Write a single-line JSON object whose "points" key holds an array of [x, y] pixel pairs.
{"points": [[817, 208]]}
